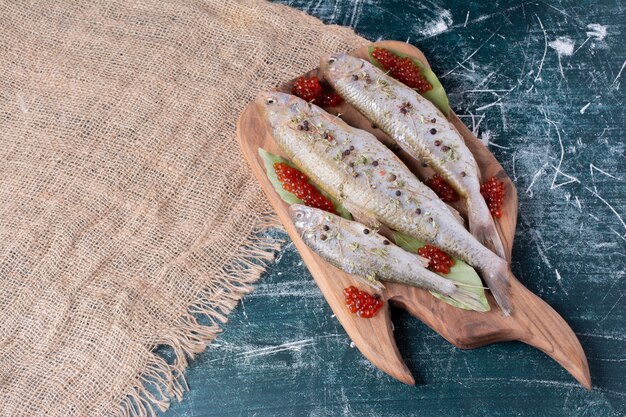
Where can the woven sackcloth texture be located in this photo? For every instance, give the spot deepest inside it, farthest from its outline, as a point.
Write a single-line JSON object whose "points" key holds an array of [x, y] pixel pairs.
{"points": [[126, 209]]}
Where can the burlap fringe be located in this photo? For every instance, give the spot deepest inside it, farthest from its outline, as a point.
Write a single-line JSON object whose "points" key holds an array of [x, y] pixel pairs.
{"points": [[163, 381]]}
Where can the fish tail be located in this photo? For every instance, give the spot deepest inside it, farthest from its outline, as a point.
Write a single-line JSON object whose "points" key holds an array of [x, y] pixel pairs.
{"points": [[483, 228], [499, 282], [470, 299]]}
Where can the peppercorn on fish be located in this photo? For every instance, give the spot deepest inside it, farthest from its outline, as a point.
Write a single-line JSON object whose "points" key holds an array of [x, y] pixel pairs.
{"points": [[358, 250], [371, 182], [419, 128]]}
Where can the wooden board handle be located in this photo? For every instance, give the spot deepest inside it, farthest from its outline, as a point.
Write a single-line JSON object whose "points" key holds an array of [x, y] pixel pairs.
{"points": [[534, 323]]}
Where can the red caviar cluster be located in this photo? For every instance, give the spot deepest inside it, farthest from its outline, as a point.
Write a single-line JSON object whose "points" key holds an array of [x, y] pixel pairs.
{"points": [[442, 189], [402, 69], [310, 89], [298, 184], [439, 260], [493, 192], [361, 303], [329, 99]]}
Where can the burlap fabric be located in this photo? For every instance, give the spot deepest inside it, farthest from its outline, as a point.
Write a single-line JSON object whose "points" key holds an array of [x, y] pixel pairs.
{"points": [[126, 208]]}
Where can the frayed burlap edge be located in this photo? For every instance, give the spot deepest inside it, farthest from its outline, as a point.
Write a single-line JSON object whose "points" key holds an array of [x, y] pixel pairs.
{"points": [[162, 381]]}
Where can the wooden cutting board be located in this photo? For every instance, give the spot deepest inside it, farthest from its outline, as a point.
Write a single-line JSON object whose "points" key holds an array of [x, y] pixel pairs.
{"points": [[533, 321]]}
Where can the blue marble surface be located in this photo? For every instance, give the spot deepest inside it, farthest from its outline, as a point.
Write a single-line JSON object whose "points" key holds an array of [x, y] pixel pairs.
{"points": [[543, 84]]}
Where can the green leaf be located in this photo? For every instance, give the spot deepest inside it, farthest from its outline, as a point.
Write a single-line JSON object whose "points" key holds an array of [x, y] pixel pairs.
{"points": [[460, 272], [269, 159], [437, 95]]}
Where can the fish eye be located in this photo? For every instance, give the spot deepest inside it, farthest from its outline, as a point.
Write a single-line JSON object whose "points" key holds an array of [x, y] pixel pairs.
{"points": [[332, 60], [299, 215], [270, 100]]}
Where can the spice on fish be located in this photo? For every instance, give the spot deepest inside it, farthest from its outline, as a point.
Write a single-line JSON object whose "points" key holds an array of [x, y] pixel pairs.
{"points": [[395, 202], [361, 160], [405, 107], [381, 252], [398, 184]]}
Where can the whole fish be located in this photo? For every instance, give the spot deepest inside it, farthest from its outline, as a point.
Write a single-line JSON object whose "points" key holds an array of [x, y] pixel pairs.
{"points": [[373, 184], [418, 127], [358, 250]]}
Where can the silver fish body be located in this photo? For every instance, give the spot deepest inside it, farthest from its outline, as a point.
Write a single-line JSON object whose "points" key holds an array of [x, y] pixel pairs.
{"points": [[358, 250], [365, 176], [417, 126]]}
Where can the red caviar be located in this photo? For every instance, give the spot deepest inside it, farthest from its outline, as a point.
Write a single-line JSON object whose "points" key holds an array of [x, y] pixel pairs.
{"points": [[329, 99], [439, 260], [442, 189], [402, 69], [298, 184], [493, 192], [310, 89], [362, 303]]}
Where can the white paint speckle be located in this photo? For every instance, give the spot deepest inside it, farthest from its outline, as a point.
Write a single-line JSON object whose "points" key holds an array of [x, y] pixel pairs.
{"points": [[485, 137], [584, 108], [596, 31], [563, 46], [439, 25], [618, 74]]}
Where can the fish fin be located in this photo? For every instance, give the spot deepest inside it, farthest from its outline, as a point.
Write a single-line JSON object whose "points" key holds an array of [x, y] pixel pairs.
{"points": [[499, 283], [468, 298], [361, 216], [483, 227], [424, 261]]}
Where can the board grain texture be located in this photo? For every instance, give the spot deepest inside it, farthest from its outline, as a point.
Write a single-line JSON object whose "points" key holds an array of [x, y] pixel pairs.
{"points": [[542, 83]]}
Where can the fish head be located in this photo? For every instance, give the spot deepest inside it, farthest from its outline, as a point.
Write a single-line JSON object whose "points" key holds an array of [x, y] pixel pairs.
{"points": [[339, 66], [306, 218], [275, 106]]}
